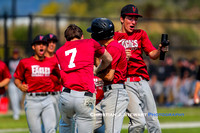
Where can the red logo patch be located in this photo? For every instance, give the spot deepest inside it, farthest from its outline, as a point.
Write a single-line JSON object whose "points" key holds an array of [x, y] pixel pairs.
{"points": [[134, 9], [41, 37], [51, 36]]}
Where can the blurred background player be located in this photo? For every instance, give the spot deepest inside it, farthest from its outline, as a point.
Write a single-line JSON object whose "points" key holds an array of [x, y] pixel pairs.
{"points": [[76, 59], [15, 94], [111, 110], [136, 42], [55, 93], [35, 71]]}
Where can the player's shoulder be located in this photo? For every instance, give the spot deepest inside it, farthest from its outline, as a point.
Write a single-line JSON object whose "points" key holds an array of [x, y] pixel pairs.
{"points": [[140, 31], [2, 64], [61, 48], [25, 60], [51, 60], [118, 33], [115, 45], [88, 41]]}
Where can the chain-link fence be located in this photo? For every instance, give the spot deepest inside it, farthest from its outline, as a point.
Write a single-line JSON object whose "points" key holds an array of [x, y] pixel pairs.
{"points": [[18, 32]]}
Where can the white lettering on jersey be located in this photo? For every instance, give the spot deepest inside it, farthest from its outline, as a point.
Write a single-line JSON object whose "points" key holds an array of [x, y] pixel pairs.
{"points": [[71, 62], [133, 44], [38, 71]]}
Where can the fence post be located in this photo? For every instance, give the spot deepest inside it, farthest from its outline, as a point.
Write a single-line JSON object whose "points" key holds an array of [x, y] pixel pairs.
{"points": [[30, 35], [5, 38], [57, 26]]}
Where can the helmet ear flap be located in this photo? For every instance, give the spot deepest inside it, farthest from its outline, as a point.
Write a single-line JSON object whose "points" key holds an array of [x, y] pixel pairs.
{"points": [[95, 36]]}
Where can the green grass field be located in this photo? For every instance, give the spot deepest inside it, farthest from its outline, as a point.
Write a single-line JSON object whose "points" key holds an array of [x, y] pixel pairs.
{"points": [[191, 114]]}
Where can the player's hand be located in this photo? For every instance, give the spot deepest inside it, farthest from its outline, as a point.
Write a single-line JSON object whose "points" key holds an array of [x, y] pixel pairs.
{"points": [[23, 87], [128, 53], [164, 49]]}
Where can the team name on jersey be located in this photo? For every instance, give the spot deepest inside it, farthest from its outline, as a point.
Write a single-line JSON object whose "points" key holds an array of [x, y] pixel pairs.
{"points": [[132, 44], [38, 71]]}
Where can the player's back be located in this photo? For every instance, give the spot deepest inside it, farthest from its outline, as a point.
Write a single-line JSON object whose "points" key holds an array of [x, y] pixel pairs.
{"points": [[76, 59]]}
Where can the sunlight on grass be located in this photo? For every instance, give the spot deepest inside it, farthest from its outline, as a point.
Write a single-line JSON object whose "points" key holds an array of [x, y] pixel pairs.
{"points": [[191, 114]]}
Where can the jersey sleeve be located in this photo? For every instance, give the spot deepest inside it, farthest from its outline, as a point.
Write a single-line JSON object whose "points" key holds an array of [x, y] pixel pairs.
{"points": [[6, 72], [99, 50], [146, 44], [56, 71], [19, 72]]}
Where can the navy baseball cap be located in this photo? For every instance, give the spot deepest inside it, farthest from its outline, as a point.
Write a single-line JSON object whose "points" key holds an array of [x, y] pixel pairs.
{"points": [[51, 37], [39, 39], [130, 10]]}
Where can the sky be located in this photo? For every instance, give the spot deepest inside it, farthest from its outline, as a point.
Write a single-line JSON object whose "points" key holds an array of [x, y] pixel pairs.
{"points": [[24, 7]]}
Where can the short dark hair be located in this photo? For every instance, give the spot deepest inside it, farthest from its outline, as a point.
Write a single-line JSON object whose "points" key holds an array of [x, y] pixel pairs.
{"points": [[73, 31]]}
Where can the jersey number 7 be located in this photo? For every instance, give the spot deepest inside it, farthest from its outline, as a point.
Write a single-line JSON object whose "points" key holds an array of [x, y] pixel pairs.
{"points": [[71, 62]]}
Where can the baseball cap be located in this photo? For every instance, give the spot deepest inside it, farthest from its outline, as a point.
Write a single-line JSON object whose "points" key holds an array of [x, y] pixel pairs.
{"points": [[15, 50], [39, 39], [130, 10], [51, 37]]}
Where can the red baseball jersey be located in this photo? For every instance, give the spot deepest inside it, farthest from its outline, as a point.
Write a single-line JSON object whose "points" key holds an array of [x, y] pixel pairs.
{"points": [[55, 78], [119, 63], [4, 73], [137, 42], [37, 74], [76, 59]]}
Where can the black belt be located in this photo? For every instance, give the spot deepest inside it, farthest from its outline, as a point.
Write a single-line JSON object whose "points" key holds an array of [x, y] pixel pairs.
{"points": [[55, 93], [109, 87], [85, 94], [43, 93], [39, 94]]}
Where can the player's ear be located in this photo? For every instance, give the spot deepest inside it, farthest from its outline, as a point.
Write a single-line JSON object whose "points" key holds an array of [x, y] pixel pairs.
{"points": [[33, 47], [82, 37], [122, 20]]}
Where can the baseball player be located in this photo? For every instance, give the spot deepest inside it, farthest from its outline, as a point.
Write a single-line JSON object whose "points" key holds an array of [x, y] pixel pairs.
{"points": [[76, 59], [35, 72], [14, 93], [55, 93], [136, 42], [5, 77], [110, 111]]}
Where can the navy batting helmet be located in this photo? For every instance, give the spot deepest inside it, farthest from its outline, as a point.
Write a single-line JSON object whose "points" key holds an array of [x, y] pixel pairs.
{"points": [[51, 37], [39, 39], [101, 28]]}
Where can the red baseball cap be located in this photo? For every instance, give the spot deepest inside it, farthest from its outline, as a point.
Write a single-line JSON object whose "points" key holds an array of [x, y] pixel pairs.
{"points": [[130, 10]]}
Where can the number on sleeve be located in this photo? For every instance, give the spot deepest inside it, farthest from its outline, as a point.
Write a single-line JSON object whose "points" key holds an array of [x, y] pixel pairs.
{"points": [[71, 62]]}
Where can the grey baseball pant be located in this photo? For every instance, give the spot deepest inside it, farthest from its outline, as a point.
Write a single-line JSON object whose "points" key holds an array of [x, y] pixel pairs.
{"points": [[140, 106], [40, 109], [55, 100], [76, 106], [111, 110], [15, 98]]}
